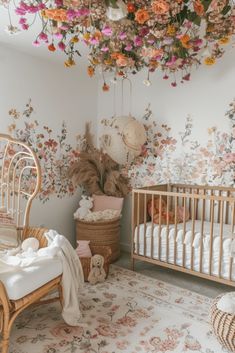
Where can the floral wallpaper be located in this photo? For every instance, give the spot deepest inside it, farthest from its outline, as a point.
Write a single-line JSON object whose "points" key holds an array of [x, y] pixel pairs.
{"points": [[164, 158], [182, 159], [53, 150]]}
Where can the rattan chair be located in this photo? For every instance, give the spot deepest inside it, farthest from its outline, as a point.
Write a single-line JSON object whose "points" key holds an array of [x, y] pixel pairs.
{"points": [[20, 180]]}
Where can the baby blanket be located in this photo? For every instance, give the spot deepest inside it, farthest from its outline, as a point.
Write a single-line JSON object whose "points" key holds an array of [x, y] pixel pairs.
{"points": [[72, 277]]}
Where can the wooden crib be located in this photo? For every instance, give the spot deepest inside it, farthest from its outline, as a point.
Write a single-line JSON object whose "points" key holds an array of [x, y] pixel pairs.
{"points": [[200, 243]]}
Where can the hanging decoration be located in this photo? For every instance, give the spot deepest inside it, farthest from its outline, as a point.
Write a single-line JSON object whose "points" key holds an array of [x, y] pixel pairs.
{"points": [[125, 36]]}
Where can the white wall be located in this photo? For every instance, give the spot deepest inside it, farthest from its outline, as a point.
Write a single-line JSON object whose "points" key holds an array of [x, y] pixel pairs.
{"points": [[206, 98], [57, 94]]}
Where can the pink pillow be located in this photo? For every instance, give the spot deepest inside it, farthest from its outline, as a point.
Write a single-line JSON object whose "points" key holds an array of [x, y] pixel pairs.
{"points": [[83, 249], [103, 202]]}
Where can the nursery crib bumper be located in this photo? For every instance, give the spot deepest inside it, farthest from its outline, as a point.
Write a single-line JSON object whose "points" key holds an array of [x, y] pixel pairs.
{"points": [[21, 281]]}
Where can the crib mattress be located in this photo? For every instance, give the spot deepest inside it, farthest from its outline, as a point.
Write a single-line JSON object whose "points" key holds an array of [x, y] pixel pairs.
{"points": [[22, 281], [175, 250]]}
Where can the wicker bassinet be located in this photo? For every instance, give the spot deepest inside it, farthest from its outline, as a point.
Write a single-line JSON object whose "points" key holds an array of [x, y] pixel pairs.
{"points": [[101, 233], [223, 325]]}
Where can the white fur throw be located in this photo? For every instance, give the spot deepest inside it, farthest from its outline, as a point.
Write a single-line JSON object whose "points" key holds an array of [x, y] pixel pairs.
{"points": [[101, 215]]}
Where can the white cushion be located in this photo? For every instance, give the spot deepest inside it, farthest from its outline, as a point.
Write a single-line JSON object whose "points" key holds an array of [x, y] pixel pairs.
{"points": [[22, 281]]}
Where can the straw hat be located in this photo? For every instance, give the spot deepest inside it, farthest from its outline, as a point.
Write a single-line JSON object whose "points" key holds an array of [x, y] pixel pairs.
{"points": [[124, 140]]}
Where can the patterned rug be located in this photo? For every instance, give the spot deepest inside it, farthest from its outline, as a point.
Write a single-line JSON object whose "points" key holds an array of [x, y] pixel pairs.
{"points": [[128, 313]]}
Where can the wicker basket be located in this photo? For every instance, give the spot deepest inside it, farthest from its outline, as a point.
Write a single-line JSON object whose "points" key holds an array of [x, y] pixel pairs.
{"points": [[223, 326], [101, 233], [86, 261]]}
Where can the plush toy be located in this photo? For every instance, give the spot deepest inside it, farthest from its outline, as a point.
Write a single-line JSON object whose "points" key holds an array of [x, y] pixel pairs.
{"points": [[85, 205], [97, 273], [28, 243]]}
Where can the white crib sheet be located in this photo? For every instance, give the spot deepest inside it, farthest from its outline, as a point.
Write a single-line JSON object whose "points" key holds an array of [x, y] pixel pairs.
{"points": [[144, 248]]}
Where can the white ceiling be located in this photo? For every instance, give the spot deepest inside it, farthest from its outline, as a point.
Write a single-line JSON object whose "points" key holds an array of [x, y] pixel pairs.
{"points": [[23, 40]]}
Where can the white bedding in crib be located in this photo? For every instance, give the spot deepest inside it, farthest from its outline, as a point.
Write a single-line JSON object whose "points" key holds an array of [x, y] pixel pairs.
{"points": [[144, 248]]}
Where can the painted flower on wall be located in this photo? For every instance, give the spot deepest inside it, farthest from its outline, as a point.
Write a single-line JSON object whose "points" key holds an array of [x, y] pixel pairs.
{"points": [[54, 152], [182, 159]]}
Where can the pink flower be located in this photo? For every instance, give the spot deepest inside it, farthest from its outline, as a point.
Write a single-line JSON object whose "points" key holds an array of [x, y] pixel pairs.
{"points": [[61, 46], [122, 35], [104, 49], [36, 43], [128, 47], [127, 321], [171, 61], [229, 157], [58, 35], [22, 20], [43, 36], [138, 41], [25, 26], [107, 31]]}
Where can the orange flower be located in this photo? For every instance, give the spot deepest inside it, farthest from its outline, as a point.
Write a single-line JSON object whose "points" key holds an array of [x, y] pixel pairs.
{"points": [[116, 55], [90, 71], [198, 8], [122, 61], [105, 87], [51, 47], [160, 7], [97, 35], [70, 62], [74, 39], [171, 30], [185, 41], [224, 40], [59, 15], [210, 60], [130, 7], [86, 36], [141, 16]]}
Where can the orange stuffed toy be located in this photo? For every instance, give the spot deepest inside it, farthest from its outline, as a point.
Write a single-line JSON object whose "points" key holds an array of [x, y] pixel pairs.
{"points": [[166, 217]]}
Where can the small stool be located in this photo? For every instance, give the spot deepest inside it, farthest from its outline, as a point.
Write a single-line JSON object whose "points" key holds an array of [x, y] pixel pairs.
{"points": [[223, 325]]}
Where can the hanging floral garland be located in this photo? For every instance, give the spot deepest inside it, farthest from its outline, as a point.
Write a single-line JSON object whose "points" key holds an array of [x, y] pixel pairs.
{"points": [[127, 36]]}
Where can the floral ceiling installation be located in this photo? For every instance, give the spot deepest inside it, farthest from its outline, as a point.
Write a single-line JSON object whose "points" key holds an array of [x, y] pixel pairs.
{"points": [[126, 36], [54, 152]]}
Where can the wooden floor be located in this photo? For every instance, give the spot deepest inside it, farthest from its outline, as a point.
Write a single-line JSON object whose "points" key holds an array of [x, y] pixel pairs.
{"points": [[196, 284]]}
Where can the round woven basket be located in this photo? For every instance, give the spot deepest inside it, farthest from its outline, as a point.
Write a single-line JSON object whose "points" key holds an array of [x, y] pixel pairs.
{"points": [[101, 233], [223, 325]]}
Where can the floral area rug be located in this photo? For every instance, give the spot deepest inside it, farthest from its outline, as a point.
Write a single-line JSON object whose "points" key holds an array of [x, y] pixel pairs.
{"points": [[128, 313]]}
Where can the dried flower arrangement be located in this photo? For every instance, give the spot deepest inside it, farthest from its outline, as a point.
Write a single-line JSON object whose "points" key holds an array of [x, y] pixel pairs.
{"points": [[96, 172]]}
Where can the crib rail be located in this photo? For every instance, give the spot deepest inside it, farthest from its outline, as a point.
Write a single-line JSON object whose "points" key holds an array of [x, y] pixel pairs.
{"points": [[20, 179], [186, 227]]}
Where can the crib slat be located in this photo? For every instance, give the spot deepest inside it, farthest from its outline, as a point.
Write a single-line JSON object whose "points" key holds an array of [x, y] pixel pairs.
{"points": [[197, 200], [202, 231], [145, 219], [232, 236], [221, 235], [212, 204], [219, 208], [193, 232], [227, 209], [152, 224], [160, 227], [138, 223], [167, 229], [176, 223], [184, 229]]}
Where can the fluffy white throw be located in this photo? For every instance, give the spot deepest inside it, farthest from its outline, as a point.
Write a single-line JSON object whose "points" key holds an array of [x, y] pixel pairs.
{"points": [[227, 303], [72, 277]]}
